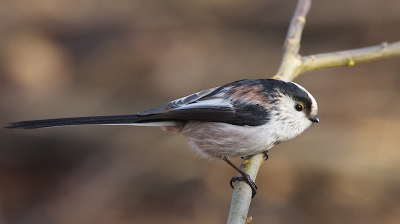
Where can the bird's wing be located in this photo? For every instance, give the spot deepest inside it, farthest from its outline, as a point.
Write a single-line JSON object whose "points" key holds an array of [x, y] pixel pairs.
{"points": [[212, 105], [178, 102], [208, 111]]}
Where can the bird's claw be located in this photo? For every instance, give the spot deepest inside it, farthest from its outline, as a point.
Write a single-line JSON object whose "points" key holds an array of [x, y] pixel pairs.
{"points": [[265, 154], [246, 178]]}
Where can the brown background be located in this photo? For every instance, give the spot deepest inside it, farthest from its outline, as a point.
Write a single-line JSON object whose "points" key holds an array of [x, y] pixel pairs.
{"points": [[82, 58]]}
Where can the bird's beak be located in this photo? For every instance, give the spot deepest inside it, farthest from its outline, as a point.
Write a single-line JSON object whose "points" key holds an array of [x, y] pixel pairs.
{"points": [[314, 119]]}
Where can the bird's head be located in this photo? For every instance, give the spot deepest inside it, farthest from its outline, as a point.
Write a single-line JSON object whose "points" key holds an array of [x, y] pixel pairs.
{"points": [[295, 109]]}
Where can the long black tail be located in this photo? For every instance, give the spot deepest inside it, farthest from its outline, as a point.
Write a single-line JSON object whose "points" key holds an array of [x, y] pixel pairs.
{"points": [[170, 118], [119, 119]]}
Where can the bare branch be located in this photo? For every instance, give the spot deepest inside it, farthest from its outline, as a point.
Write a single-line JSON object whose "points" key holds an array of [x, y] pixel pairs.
{"points": [[241, 197], [298, 20], [350, 57], [291, 61]]}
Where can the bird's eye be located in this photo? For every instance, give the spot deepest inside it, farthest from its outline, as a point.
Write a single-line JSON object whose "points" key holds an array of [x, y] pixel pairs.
{"points": [[299, 107]]}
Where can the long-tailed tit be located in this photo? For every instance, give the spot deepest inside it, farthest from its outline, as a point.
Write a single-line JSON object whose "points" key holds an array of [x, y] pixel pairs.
{"points": [[237, 119]]}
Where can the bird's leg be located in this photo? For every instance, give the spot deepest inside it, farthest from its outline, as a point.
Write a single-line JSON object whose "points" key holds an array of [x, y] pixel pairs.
{"points": [[245, 177]]}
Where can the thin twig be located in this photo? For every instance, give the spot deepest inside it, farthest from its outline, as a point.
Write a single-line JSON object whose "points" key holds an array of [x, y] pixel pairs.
{"points": [[350, 57], [290, 66]]}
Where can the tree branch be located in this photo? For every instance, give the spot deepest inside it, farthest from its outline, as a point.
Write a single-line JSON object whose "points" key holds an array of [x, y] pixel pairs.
{"points": [[241, 196], [350, 57], [291, 61]]}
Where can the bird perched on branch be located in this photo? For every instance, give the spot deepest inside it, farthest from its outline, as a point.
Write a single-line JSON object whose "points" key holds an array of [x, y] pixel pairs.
{"points": [[237, 119]]}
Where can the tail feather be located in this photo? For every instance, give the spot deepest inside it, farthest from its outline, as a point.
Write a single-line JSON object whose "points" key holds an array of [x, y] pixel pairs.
{"points": [[110, 120], [170, 118]]}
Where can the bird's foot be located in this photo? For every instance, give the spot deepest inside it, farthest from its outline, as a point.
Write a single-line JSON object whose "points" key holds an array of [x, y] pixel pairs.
{"points": [[246, 178]]}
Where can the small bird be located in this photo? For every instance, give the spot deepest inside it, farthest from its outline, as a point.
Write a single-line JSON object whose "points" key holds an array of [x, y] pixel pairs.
{"points": [[237, 119]]}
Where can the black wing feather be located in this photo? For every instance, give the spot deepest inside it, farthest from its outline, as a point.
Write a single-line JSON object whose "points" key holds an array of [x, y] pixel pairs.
{"points": [[249, 115]]}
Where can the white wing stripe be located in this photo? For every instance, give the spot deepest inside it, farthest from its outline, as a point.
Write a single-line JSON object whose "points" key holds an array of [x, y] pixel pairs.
{"points": [[216, 102]]}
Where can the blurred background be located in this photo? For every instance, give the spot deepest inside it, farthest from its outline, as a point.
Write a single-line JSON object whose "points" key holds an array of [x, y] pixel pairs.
{"points": [[83, 58]]}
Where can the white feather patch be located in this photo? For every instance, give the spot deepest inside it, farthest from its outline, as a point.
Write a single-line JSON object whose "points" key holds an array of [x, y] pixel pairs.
{"points": [[216, 102]]}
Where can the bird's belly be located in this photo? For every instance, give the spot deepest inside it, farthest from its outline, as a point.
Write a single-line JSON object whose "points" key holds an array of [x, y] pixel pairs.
{"points": [[211, 139]]}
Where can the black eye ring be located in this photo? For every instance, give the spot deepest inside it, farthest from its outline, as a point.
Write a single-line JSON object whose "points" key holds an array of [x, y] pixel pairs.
{"points": [[299, 107]]}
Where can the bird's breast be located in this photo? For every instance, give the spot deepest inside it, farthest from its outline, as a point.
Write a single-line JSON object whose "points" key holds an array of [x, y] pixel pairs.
{"points": [[212, 139]]}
